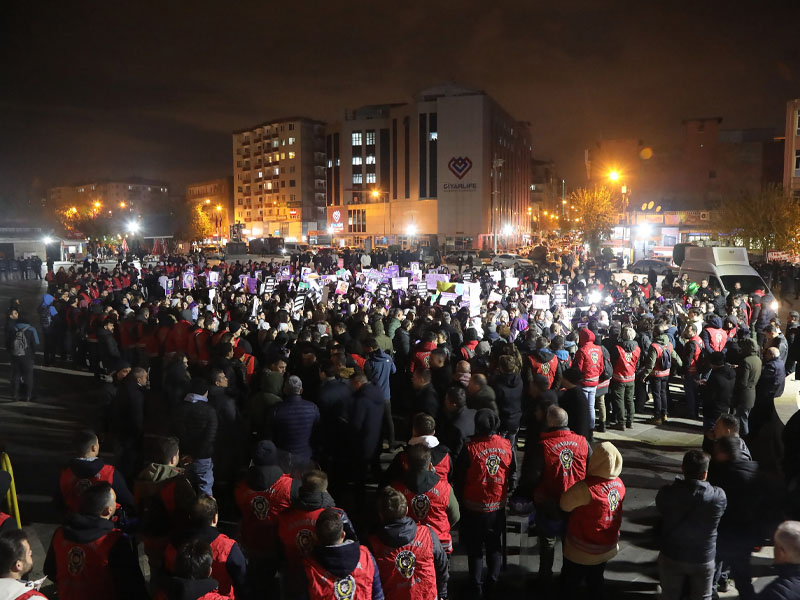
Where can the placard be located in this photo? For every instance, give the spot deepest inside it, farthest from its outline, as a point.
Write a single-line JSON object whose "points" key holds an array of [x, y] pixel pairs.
{"points": [[213, 278], [560, 293], [252, 285], [285, 273], [342, 274], [508, 272], [400, 283], [540, 302], [187, 281], [466, 276], [494, 297], [299, 302], [447, 297], [512, 282], [495, 275], [342, 287], [269, 285]]}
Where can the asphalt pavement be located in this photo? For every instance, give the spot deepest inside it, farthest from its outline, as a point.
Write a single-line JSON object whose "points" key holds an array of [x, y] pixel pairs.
{"points": [[37, 438]]}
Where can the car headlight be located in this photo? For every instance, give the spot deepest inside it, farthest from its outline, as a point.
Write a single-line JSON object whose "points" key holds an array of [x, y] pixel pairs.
{"points": [[774, 305]]}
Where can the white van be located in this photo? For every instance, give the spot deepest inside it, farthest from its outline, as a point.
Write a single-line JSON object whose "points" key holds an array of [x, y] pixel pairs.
{"points": [[723, 268]]}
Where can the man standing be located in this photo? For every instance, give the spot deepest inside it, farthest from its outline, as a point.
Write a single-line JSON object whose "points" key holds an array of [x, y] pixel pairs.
{"points": [[589, 361], [22, 347], [556, 463], [294, 422], [16, 561], [593, 528], [787, 563], [690, 509], [624, 358], [379, 368], [484, 473], [195, 424], [748, 373]]}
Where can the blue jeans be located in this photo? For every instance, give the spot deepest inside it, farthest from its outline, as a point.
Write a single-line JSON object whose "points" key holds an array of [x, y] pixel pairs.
{"points": [[674, 574], [201, 473], [590, 395]]}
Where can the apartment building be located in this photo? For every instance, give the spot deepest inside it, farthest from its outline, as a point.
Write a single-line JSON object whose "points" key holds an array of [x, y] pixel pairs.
{"points": [[131, 195], [279, 178], [215, 198], [791, 149]]}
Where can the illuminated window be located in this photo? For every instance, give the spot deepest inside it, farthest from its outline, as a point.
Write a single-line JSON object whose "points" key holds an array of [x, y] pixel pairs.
{"points": [[370, 177], [276, 170], [370, 159], [291, 141], [371, 138], [291, 154], [357, 178], [356, 160], [269, 185], [433, 136], [356, 138], [283, 155], [275, 143], [261, 173], [330, 163]]}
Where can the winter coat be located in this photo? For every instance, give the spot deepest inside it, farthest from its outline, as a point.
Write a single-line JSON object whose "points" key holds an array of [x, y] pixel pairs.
{"points": [[378, 368], [740, 480], [341, 560], [575, 402], [690, 513], [717, 393], [294, 425], [747, 374], [365, 422], [508, 392], [456, 428], [786, 586], [195, 424], [426, 400]]}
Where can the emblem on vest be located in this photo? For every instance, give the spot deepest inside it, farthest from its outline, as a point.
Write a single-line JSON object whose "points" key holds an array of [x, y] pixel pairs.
{"points": [[629, 357], [718, 337], [345, 589], [594, 356], [492, 464], [81, 485], [304, 540], [545, 368], [421, 504], [405, 563], [76, 558], [566, 457], [613, 499], [260, 506]]}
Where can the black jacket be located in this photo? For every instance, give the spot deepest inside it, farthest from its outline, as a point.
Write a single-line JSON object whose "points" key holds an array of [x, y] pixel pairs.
{"points": [[127, 411], [690, 512], [176, 588], [402, 532], [743, 488], [195, 424], [508, 393], [456, 428], [575, 402], [365, 422], [717, 392], [426, 400], [786, 586]]}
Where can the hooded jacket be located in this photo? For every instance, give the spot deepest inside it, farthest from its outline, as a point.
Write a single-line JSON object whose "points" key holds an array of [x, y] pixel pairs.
{"points": [[164, 497], [378, 368], [400, 533], [589, 358], [717, 393], [648, 362], [508, 395], [195, 424], [583, 500], [747, 374], [342, 559], [87, 469]]}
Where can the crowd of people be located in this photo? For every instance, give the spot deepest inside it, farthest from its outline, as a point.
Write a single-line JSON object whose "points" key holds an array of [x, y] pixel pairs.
{"points": [[266, 394]]}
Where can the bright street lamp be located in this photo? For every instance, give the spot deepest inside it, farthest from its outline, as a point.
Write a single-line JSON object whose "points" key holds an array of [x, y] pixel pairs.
{"points": [[219, 208], [508, 230], [375, 193], [613, 175], [47, 240], [411, 230], [133, 226]]}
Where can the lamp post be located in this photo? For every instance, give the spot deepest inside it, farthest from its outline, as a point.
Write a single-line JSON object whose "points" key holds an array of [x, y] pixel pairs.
{"points": [[497, 166]]}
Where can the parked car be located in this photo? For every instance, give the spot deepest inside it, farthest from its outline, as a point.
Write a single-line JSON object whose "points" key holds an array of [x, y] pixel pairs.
{"points": [[510, 260], [644, 265]]}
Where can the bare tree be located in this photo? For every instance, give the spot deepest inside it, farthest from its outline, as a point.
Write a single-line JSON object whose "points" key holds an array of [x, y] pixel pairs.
{"points": [[597, 213]]}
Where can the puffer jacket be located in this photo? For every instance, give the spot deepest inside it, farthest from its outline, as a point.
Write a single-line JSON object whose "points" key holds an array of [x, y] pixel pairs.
{"points": [[747, 375]]}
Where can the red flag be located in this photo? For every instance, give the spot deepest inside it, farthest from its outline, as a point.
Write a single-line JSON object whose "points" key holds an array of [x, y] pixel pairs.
{"points": [[124, 245], [157, 247]]}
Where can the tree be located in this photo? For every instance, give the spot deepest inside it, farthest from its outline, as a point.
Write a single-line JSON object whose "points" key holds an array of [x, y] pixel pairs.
{"points": [[197, 226], [597, 213], [761, 220]]}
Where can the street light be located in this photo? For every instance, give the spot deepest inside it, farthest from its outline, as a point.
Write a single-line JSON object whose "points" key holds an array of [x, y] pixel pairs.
{"points": [[47, 240], [133, 226], [219, 208], [613, 175], [375, 194], [411, 230]]}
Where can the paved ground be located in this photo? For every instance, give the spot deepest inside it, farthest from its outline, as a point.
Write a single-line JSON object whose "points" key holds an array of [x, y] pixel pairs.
{"points": [[36, 436]]}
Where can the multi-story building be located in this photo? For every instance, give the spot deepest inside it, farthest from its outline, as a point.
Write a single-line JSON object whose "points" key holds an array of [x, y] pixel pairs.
{"points": [[424, 172], [791, 150], [279, 178], [215, 198], [133, 195]]}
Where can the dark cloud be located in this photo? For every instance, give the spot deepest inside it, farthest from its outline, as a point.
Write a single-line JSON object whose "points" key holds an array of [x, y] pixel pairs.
{"points": [[155, 88]]}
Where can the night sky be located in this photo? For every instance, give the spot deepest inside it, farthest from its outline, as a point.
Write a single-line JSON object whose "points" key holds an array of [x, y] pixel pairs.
{"points": [[103, 89]]}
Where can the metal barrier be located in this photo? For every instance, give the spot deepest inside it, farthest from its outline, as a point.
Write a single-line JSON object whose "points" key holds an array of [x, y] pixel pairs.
{"points": [[11, 496]]}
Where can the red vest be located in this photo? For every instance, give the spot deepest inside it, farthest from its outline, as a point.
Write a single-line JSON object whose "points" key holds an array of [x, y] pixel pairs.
{"points": [[407, 572], [547, 369], [3, 518], [82, 569], [565, 453], [323, 585], [658, 369], [430, 508], [594, 527], [177, 337], [260, 510], [717, 338], [72, 487], [127, 333], [485, 489], [591, 363], [296, 532], [625, 365], [220, 549], [442, 468], [695, 356]]}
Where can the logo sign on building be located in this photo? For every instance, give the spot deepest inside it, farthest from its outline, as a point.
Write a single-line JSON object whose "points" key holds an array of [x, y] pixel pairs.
{"points": [[293, 212], [459, 166], [335, 219]]}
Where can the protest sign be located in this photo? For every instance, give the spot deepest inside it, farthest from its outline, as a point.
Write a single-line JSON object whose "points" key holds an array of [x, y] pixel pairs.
{"points": [[400, 283], [269, 285], [213, 278], [540, 301], [252, 285], [495, 275], [560, 292], [342, 287], [447, 297], [512, 282]]}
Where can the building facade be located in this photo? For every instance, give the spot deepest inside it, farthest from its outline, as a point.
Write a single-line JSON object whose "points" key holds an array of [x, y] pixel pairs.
{"points": [[279, 178], [215, 198], [791, 156], [424, 172], [113, 197]]}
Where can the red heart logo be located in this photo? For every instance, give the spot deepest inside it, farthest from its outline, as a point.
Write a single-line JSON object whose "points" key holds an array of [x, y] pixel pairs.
{"points": [[459, 166], [337, 215]]}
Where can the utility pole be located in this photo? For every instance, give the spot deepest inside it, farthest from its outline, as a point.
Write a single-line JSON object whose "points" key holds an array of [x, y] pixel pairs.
{"points": [[497, 165]]}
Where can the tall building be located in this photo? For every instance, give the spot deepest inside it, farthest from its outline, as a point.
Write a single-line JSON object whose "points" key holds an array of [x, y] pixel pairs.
{"points": [[279, 178], [215, 198], [423, 172], [131, 195], [791, 150]]}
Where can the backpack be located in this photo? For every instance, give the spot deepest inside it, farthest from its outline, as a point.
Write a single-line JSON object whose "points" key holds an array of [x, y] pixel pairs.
{"points": [[665, 359], [20, 345]]}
